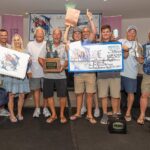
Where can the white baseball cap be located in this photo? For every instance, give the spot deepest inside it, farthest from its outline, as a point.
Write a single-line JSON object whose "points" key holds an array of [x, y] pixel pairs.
{"points": [[131, 27]]}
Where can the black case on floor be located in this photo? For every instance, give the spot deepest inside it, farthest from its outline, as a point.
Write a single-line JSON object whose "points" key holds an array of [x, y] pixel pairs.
{"points": [[117, 124]]}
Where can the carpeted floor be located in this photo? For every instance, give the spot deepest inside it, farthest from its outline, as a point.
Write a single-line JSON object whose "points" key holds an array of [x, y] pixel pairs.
{"points": [[35, 134]]}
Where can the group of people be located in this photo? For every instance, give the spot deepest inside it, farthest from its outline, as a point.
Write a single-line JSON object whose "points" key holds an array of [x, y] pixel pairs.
{"points": [[86, 85]]}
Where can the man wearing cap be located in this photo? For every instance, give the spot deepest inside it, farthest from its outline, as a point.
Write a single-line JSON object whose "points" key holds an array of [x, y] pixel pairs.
{"points": [[88, 36], [84, 79], [129, 75]]}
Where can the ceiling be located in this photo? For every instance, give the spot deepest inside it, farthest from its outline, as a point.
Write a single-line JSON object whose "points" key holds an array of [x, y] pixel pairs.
{"points": [[127, 8]]}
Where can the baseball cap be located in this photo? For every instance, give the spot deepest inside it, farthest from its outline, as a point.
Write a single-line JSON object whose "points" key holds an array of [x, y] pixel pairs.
{"points": [[131, 27], [76, 29]]}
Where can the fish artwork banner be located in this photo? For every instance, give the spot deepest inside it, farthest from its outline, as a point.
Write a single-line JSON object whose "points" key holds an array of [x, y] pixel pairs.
{"points": [[50, 21], [98, 57], [13, 63]]}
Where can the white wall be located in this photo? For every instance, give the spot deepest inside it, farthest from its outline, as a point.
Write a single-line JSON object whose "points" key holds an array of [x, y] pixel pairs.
{"points": [[0, 21], [143, 25], [25, 30]]}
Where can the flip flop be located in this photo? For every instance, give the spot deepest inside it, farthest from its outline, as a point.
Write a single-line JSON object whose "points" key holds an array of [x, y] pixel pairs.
{"points": [[91, 120], [51, 119], [13, 119], [75, 117], [63, 120], [128, 118], [140, 121]]}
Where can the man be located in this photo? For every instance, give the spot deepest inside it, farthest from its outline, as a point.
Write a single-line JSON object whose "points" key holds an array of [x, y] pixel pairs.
{"points": [[34, 48], [107, 81], [3, 42], [145, 83], [57, 80], [129, 75], [79, 80], [88, 35]]}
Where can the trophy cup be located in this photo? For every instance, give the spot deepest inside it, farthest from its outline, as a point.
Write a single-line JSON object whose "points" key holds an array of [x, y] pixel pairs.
{"points": [[52, 62]]}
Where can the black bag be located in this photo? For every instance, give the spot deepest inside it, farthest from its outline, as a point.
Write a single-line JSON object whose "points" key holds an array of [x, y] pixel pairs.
{"points": [[3, 97], [117, 124]]}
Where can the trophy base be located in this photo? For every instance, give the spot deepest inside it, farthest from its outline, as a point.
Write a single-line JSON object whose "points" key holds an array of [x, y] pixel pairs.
{"points": [[52, 65]]}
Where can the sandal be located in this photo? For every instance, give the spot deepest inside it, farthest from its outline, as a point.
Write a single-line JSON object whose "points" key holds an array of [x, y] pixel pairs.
{"points": [[51, 119], [91, 120], [75, 117], [128, 118], [20, 117], [13, 119], [140, 121], [110, 113], [63, 120]]}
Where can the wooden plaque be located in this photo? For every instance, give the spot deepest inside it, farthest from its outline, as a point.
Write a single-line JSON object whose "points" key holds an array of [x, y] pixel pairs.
{"points": [[52, 65]]}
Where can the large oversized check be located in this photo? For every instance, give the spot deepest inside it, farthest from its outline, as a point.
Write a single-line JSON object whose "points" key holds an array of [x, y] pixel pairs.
{"points": [[95, 57], [13, 63]]}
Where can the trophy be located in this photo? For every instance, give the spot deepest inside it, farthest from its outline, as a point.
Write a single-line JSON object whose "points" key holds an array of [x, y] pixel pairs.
{"points": [[52, 62]]}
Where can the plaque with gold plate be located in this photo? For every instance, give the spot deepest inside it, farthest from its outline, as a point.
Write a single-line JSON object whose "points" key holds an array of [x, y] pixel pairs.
{"points": [[52, 62]]}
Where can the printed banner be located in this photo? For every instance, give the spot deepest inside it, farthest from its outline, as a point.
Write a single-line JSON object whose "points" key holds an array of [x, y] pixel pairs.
{"points": [[13, 63], [95, 57]]}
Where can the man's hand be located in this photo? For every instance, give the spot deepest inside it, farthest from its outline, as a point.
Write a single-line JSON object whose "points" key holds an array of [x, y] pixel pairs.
{"points": [[62, 68], [29, 75], [126, 51], [140, 59], [89, 15]]}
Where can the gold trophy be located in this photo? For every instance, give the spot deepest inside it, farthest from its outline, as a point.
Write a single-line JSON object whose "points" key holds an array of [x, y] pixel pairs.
{"points": [[52, 62]]}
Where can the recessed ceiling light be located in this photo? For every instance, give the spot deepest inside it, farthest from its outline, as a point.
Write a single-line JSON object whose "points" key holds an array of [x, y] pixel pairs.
{"points": [[105, 0], [26, 13]]}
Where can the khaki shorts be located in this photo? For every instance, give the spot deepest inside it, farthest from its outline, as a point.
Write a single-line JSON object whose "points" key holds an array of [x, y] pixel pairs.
{"points": [[112, 84], [145, 87], [85, 82]]}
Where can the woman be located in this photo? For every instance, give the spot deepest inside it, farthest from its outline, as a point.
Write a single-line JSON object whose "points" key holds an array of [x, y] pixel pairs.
{"points": [[16, 86]]}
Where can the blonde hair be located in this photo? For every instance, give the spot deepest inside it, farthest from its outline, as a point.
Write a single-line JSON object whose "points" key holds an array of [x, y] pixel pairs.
{"points": [[21, 42]]}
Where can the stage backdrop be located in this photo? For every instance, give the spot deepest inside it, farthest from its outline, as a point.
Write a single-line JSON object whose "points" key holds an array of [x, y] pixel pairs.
{"points": [[50, 21]]}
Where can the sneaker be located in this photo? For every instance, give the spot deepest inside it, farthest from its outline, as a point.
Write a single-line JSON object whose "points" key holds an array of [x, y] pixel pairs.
{"points": [[36, 113], [83, 110], [96, 112], [147, 118], [46, 112], [4, 112], [104, 119]]}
